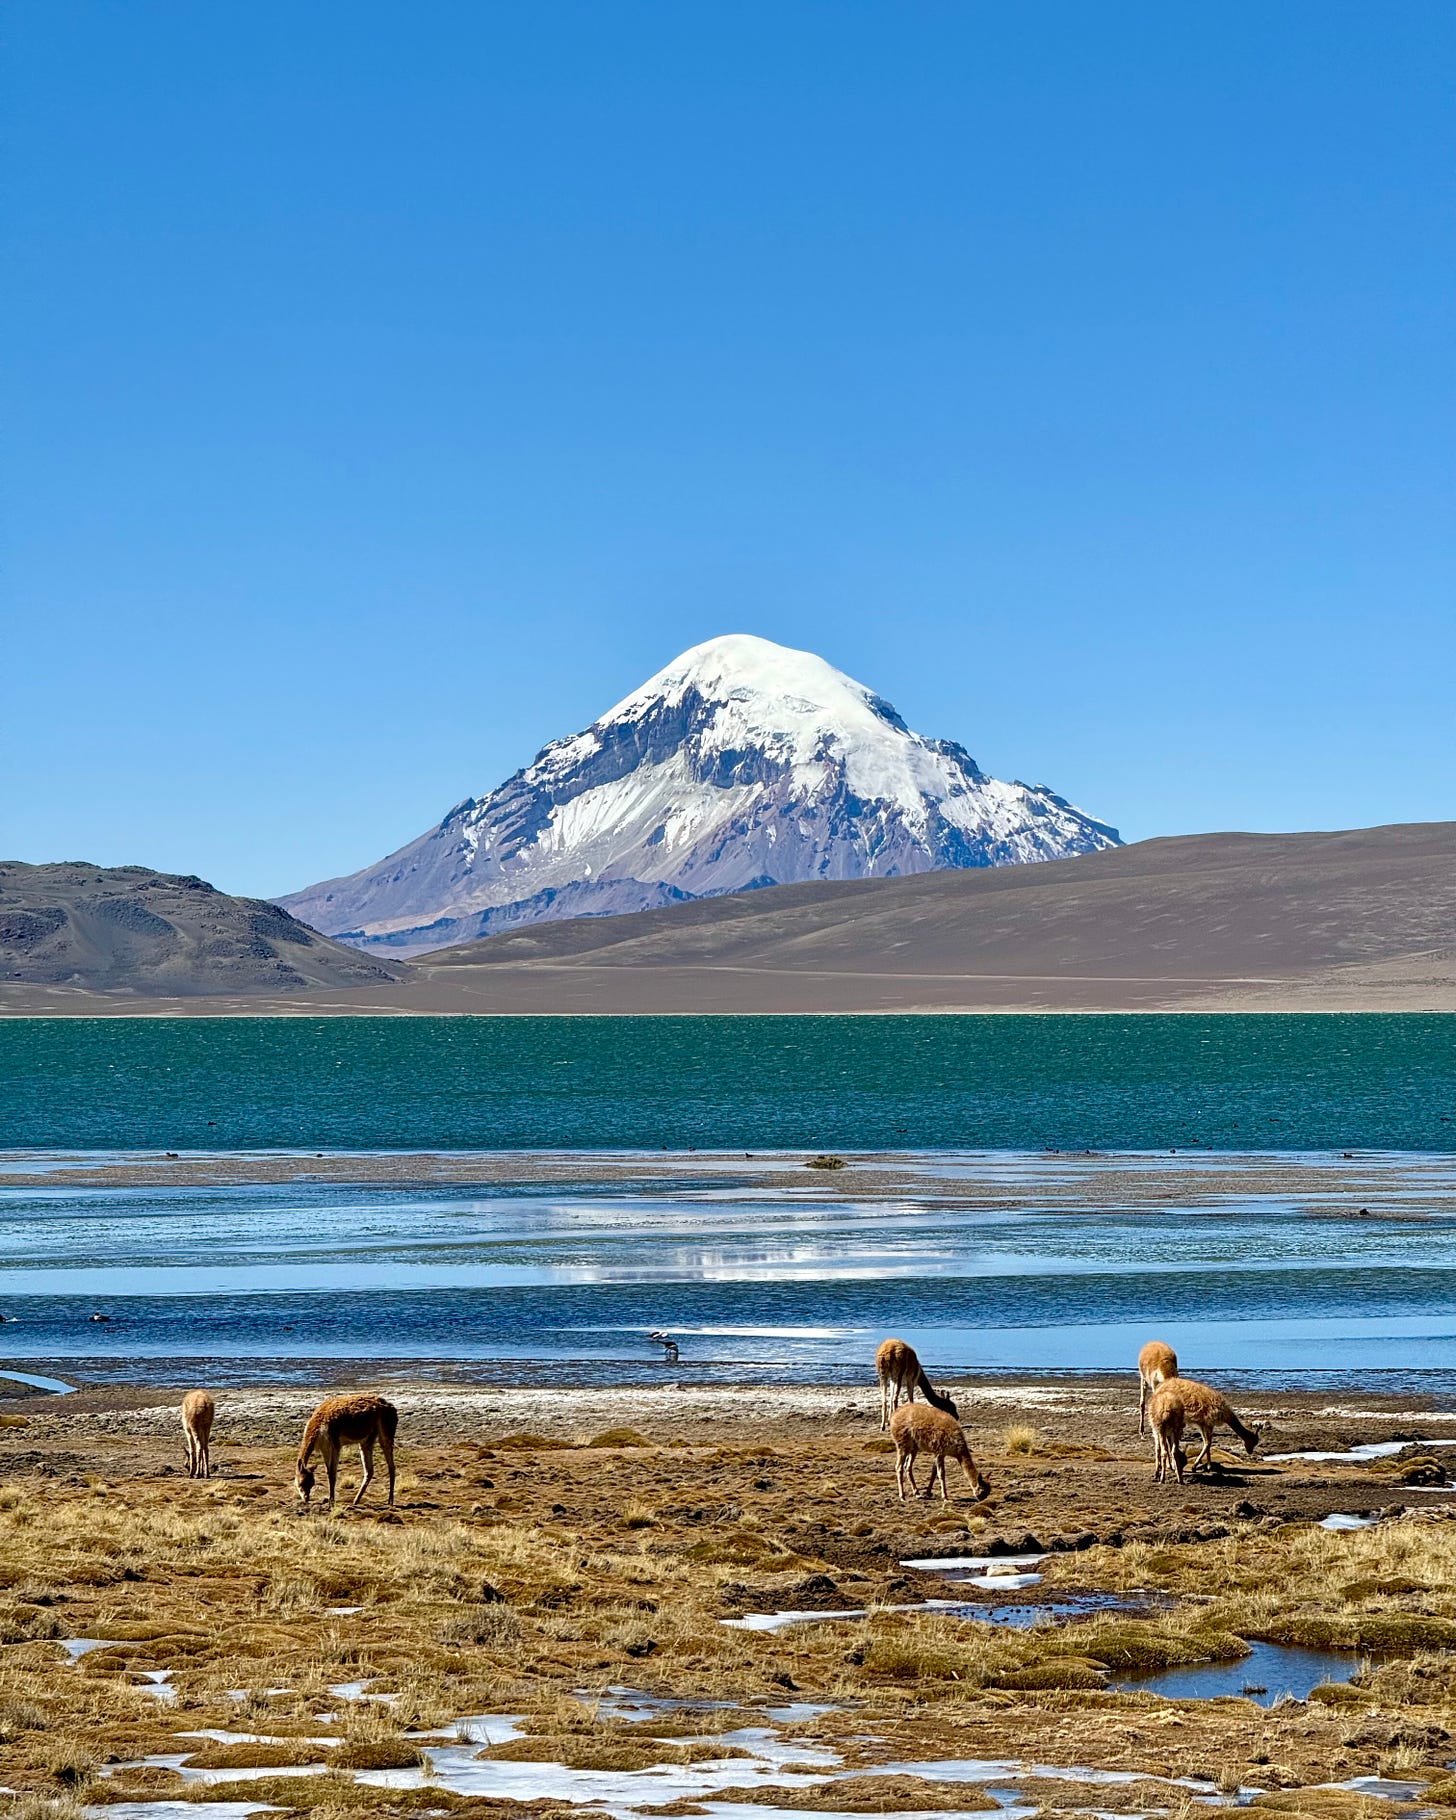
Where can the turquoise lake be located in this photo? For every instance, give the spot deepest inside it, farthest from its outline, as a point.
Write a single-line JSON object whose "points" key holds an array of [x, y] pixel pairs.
{"points": [[904, 1083]]}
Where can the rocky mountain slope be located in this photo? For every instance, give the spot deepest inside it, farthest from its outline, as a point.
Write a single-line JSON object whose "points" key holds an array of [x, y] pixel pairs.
{"points": [[126, 928], [741, 765]]}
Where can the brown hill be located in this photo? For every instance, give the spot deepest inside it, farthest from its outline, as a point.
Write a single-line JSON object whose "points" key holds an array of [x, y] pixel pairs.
{"points": [[128, 929], [1362, 920], [1195, 918]]}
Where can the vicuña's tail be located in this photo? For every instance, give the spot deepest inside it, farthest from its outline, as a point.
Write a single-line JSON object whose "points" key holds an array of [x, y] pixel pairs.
{"points": [[937, 1397]]}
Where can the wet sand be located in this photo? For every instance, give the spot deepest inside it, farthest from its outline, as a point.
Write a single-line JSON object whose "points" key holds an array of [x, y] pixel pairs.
{"points": [[1376, 1185]]}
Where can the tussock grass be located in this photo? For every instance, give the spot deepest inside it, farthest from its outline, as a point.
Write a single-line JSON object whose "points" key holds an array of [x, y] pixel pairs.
{"points": [[1021, 1438], [868, 1795], [609, 1751], [514, 1602], [620, 1437]]}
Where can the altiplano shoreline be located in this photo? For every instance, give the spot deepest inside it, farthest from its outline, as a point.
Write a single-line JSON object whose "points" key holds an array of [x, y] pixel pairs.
{"points": [[1055, 1180]]}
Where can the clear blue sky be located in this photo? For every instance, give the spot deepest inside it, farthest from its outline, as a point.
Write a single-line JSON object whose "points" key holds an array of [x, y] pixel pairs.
{"points": [[389, 388]]}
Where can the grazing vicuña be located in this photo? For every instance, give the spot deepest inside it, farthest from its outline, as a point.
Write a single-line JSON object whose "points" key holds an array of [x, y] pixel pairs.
{"points": [[1157, 1362], [898, 1364], [198, 1409], [1180, 1404], [916, 1430], [354, 1421]]}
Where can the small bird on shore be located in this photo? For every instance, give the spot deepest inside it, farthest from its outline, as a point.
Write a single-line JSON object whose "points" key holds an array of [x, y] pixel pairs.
{"points": [[668, 1345]]}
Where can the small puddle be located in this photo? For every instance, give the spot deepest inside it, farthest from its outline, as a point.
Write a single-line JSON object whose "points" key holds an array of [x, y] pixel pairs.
{"points": [[1353, 1456], [1346, 1520], [1350, 1456], [1008, 1573], [971, 1563], [354, 1690], [1270, 1672], [76, 1647], [57, 1385], [176, 1810], [1008, 1769], [1066, 1610], [1020, 1616]]}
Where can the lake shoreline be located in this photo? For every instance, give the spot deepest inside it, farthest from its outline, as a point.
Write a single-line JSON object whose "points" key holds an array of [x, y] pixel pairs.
{"points": [[1061, 1179]]}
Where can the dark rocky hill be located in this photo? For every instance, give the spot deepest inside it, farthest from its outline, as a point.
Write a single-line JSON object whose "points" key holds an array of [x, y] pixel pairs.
{"points": [[129, 929]]}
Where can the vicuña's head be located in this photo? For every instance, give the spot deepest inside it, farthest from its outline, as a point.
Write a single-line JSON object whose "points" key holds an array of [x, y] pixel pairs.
{"points": [[942, 1399], [1251, 1436], [303, 1482], [980, 1484]]}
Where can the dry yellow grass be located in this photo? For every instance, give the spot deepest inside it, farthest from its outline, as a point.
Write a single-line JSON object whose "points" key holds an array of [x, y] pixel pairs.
{"points": [[517, 1603]]}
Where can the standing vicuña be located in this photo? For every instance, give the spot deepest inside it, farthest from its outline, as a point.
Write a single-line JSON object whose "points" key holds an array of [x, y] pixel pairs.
{"points": [[1157, 1362], [898, 1364], [916, 1430], [358, 1420], [1180, 1404], [198, 1410]]}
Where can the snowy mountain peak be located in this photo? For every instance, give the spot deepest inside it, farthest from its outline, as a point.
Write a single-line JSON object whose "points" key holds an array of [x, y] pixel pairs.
{"points": [[739, 666], [741, 763]]}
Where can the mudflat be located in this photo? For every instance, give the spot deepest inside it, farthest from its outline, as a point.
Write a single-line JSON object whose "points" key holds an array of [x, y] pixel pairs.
{"points": [[565, 1608], [1062, 1181]]}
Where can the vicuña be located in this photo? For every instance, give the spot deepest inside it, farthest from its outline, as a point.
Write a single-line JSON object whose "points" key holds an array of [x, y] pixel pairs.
{"points": [[1182, 1404], [898, 1368], [1157, 1362], [353, 1421], [198, 1410], [915, 1430]]}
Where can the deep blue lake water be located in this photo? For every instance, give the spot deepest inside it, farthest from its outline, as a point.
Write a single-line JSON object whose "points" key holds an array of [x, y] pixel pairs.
{"points": [[904, 1083]]}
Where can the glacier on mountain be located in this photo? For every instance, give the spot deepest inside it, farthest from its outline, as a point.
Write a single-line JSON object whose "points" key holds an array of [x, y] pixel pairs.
{"points": [[739, 765]]}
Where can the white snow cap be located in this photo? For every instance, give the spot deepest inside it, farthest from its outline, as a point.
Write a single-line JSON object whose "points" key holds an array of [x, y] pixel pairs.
{"points": [[738, 665], [741, 763], [800, 709]]}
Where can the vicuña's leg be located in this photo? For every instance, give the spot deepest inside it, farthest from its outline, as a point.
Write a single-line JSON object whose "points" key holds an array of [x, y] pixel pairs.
{"points": [[910, 1473], [1142, 1404], [386, 1441], [884, 1404], [1205, 1458], [366, 1460], [331, 1467], [944, 1488], [204, 1458], [900, 1475]]}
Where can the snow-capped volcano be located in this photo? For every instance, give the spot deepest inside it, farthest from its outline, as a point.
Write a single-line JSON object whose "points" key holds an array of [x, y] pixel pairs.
{"points": [[741, 764]]}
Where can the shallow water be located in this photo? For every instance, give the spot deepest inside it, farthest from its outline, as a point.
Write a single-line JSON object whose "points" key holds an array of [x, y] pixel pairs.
{"points": [[1014, 1617], [57, 1386], [569, 1280], [1276, 1670]]}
